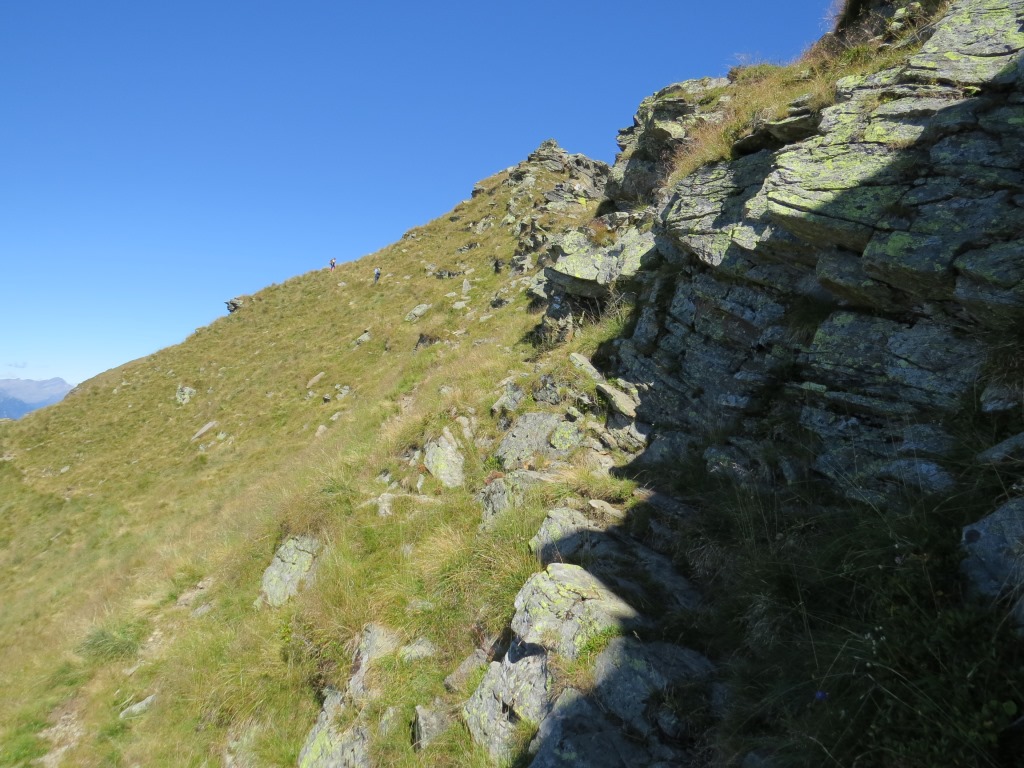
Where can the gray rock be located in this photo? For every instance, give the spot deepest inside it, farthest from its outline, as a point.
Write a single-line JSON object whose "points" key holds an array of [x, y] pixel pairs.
{"points": [[457, 680], [994, 546], [546, 391], [375, 641], [926, 441], [421, 648], [516, 688], [581, 363], [326, 747], [661, 125], [510, 399], [618, 400], [429, 723], [628, 435], [536, 435], [1009, 451], [417, 312], [184, 394], [563, 607], [291, 567], [363, 338], [629, 674], [583, 269], [577, 733], [203, 430], [629, 568], [505, 492], [444, 461], [975, 43], [922, 475], [138, 708], [999, 398]]}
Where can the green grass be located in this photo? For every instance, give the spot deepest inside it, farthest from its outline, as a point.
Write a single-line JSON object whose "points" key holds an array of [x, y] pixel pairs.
{"points": [[111, 512]]}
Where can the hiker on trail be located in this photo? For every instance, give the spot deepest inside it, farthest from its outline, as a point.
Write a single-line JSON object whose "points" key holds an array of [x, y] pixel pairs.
{"points": [[376, 275], [333, 263]]}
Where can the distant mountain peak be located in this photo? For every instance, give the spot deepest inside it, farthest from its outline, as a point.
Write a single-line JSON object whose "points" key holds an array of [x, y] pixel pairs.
{"points": [[21, 396]]}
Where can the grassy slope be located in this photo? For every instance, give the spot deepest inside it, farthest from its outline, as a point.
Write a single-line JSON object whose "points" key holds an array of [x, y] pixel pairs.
{"points": [[110, 510]]}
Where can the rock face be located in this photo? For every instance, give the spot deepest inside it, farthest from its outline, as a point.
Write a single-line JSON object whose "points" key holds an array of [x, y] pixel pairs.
{"points": [[825, 308], [292, 565], [832, 285]]}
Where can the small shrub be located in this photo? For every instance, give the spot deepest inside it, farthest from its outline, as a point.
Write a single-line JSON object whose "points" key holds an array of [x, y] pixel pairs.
{"points": [[118, 640]]}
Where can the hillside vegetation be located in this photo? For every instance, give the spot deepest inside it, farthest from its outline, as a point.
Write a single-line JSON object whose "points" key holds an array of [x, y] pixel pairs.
{"points": [[111, 510]]}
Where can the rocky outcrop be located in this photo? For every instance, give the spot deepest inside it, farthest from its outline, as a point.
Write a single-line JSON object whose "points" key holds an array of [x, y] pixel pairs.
{"points": [[586, 268], [832, 284], [537, 435], [824, 311], [328, 746], [660, 128]]}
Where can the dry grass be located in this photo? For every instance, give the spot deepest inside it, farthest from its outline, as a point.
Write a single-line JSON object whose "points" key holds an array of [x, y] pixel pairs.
{"points": [[761, 92], [142, 512]]}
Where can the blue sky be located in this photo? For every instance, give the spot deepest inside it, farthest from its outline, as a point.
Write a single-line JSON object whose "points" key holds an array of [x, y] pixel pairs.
{"points": [[157, 159]]}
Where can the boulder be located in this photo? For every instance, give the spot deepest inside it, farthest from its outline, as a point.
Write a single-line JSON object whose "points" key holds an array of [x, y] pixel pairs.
{"points": [[457, 680], [138, 708], [417, 312], [184, 394], [421, 648], [622, 564], [375, 641], [581, 363], [618, 400], [564, 606], [203, 430], [291, 567], [428, 724], [505, 492], [537, 435], [516, 688], [511, 398], [630, 675], [578, 733], [585, 269], [327, 747], [444, 461], [994, 562]]}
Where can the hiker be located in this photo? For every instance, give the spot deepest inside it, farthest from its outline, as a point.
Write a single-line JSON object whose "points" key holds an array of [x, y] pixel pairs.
{"points": [[333, 263], [376, 275]]}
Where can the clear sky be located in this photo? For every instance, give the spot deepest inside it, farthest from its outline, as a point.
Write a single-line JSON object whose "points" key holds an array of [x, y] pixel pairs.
{"points": [[159, 158]]}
